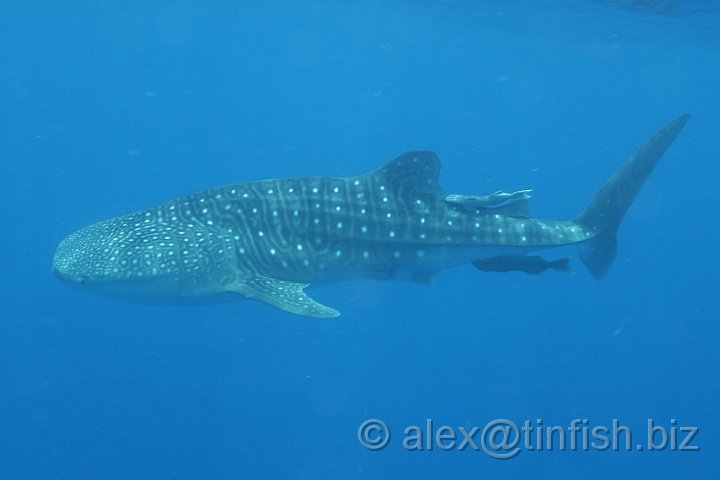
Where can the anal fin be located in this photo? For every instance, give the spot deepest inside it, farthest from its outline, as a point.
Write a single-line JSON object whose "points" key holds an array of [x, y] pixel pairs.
{"points": [[283, 294]]}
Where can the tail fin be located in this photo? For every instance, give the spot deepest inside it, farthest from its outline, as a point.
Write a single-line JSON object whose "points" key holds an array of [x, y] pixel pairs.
{"points": [[607, 209]]}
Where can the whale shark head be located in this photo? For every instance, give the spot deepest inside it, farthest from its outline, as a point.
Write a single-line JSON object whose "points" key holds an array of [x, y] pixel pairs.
{"points": [[97, 258], [88, 255], [149, 257]]}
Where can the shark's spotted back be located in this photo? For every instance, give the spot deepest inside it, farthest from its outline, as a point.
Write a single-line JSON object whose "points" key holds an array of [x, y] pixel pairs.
{"points": [[270, 239]]}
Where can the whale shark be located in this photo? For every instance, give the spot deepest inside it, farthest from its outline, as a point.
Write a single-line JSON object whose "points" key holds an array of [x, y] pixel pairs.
{"points": [[269, 240]]}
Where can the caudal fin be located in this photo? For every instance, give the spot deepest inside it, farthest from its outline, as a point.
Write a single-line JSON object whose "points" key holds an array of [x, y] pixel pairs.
{"points": [[608, 207]]}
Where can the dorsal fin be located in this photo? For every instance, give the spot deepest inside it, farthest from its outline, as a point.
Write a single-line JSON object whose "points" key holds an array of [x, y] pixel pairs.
{"points": [[411, 175]]}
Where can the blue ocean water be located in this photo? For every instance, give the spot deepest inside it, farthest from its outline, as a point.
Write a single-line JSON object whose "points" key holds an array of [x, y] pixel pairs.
{"points": [[109, 108]]}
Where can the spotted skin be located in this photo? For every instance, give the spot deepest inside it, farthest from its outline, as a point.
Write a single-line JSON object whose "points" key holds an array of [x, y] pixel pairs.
{"points": [[270, 239]]}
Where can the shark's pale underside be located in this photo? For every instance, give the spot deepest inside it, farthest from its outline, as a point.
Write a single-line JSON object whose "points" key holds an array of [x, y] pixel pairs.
{"points": [[269, 239]]}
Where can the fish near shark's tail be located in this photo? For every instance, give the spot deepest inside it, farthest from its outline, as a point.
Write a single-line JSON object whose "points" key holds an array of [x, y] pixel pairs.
{"points": [[607, 209]]}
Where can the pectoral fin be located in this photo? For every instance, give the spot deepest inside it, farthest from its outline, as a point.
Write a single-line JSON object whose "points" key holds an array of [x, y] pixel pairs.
{"points": [[285, 295]]}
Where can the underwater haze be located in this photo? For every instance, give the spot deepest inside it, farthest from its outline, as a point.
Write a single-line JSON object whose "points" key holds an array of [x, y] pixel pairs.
{"points": [[108, 108]]}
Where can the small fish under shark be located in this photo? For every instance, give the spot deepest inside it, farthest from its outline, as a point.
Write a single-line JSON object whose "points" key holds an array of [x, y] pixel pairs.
{"points": [[268, 240]]}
